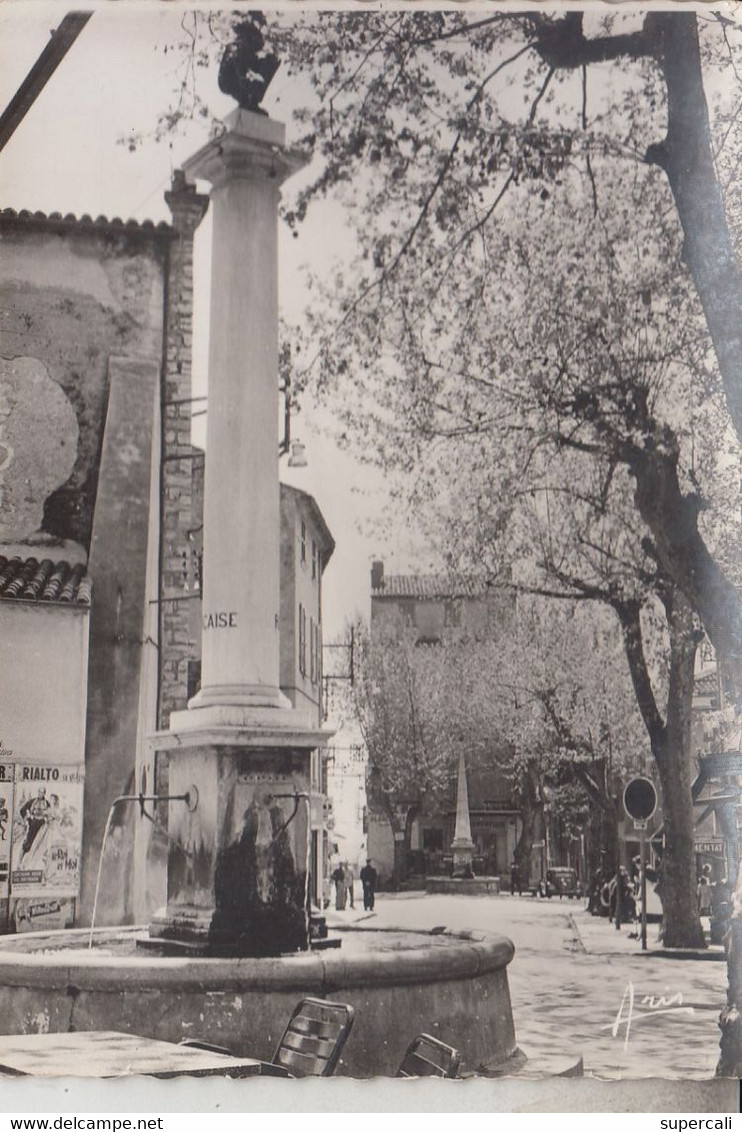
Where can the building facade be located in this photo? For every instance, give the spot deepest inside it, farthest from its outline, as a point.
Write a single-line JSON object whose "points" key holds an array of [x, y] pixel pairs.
{"points": [[306, 549], [434, 607]]}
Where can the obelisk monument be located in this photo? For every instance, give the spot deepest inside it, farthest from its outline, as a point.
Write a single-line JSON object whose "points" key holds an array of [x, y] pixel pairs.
{"points": [[462, 845]]}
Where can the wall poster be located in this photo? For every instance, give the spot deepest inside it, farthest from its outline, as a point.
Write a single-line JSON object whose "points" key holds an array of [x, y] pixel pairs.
{"points": [[6, 810], [47, 830]]}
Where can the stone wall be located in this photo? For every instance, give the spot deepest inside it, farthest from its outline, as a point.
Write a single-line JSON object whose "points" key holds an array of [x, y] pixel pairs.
{"points": [[180, 635]]}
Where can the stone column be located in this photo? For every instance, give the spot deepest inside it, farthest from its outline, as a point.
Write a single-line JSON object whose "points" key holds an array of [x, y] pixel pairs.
{"points": [[462, 844], [240, 667], [237, 869]]}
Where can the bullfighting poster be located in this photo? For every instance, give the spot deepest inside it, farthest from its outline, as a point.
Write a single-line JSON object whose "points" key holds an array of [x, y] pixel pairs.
{"points": [[47, 830]]}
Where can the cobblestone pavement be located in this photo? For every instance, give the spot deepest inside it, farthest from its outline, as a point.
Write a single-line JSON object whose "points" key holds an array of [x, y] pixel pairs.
{"points": [[570, 975]]}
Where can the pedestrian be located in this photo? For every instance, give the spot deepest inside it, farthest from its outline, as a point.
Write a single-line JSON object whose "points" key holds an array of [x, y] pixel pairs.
{"points": [[341, 888], [515, 878], [703, 892], [595, 884], [369, 879], [720, 911], [350, 881], [636, 873]]}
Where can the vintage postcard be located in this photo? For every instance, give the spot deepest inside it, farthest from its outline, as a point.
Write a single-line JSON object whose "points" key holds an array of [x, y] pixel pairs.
{"points": [[370, 528]]}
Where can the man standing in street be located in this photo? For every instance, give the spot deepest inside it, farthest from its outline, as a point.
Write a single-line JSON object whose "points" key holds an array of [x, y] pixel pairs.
{"points": [[369, 877], [341, 888]]}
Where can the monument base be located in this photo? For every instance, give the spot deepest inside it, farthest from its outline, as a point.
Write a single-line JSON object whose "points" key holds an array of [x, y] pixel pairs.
{"points": [[242, 726], [238, 863], [463, 857], [463, 886]]}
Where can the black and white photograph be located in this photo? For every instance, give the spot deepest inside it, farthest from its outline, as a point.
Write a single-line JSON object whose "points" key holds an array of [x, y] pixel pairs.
{"points": [[370, 546]]}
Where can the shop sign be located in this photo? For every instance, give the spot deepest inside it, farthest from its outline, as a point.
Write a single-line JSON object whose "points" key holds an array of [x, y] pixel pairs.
{"points": [[48, 914], [713, 845]]}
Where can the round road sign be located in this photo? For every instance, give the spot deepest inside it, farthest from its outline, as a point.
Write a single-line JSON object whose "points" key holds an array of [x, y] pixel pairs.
{"points": [[640, 799]]}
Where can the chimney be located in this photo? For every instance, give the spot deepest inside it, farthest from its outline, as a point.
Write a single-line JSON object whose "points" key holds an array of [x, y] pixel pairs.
{"points": [[377, 575]]}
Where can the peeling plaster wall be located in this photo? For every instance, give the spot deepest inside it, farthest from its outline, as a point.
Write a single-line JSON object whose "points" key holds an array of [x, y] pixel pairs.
{"points": [[85, 301], [70, 299]]}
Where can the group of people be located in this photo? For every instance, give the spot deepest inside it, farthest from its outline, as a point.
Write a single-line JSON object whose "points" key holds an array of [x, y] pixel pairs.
{"points": [[714, 899], [343, 878], [613, 894]]}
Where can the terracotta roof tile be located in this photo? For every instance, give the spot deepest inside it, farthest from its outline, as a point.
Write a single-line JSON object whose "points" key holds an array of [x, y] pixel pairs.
{"points": [[28, 579], [101, 223], [431, 586], [706, 686]]}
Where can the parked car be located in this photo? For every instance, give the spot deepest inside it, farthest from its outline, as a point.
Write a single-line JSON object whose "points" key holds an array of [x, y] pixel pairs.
{"points": [[559, 882]]}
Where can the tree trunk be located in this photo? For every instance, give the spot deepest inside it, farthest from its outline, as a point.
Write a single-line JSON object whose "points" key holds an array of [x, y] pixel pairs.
{"points": [[672, 517], [682, 924], [670, 744], [686, 156], [399, 862], [399, 871], [530, 805]]}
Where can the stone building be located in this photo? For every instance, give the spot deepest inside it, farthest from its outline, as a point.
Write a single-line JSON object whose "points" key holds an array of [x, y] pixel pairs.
{"points": [[434, 605]]}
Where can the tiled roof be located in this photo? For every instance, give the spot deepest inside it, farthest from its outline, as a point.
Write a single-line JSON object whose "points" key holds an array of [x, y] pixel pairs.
{"points": [[27, 579], [706, 685], [430, 586], [101, 223]]}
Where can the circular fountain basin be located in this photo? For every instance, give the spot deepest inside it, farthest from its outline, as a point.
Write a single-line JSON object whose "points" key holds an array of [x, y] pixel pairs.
{"points": [[452, 984]]}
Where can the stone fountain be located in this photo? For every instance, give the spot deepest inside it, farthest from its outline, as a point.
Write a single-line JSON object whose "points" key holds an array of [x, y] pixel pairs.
{"points": [[237, 867], [230, 955]]}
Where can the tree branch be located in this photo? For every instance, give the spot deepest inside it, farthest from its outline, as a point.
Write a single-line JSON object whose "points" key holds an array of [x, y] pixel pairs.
{"points": [[562, 42], [629, 618]]}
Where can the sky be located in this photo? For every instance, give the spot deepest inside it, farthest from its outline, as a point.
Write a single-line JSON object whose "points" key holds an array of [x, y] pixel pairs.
{"points": [[67, 156]]}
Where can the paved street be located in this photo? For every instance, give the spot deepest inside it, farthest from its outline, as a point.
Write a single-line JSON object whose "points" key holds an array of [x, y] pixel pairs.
{"points": [[568, 979]]}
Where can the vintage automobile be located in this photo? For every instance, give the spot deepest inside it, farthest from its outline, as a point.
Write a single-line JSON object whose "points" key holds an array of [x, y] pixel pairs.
{"points": [[559, 882]]}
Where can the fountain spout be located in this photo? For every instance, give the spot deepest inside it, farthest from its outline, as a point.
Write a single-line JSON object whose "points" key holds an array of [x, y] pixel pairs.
{"points": [[191, 800]]}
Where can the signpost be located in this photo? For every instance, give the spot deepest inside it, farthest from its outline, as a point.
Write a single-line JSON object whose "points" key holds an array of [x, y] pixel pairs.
{"points": [[640, 803]]}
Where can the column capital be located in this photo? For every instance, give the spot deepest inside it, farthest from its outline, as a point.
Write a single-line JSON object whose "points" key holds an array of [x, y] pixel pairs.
{"points": [[252, 148]]}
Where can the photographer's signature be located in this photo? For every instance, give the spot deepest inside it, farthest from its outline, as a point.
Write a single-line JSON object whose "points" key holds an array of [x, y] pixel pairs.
{"points": [[629, 1011]]}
